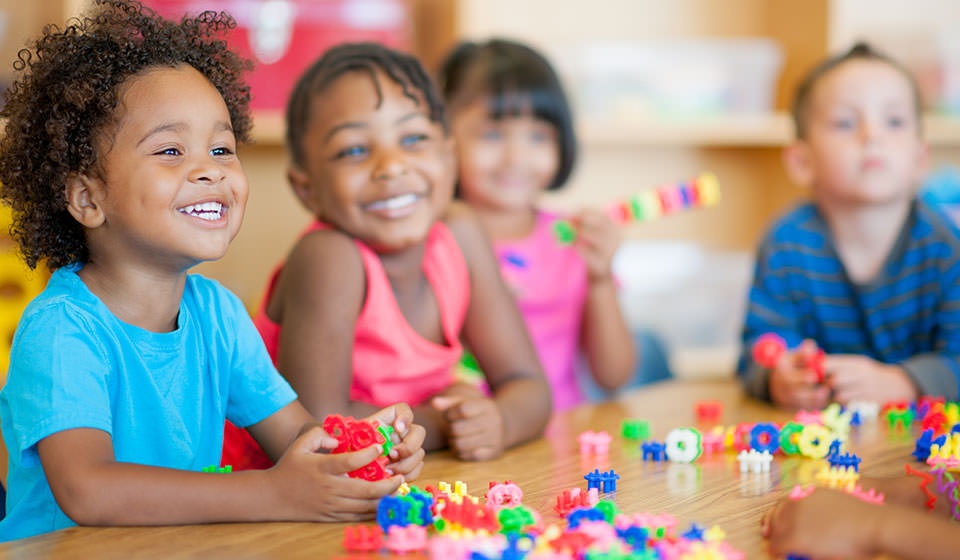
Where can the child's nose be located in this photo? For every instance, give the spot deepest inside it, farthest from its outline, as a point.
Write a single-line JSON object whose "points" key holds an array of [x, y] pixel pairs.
{"points": [[206, 171], [390, 164]]}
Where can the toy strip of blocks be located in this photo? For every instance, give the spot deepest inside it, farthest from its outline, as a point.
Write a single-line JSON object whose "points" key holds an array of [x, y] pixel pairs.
{"points": [[754, 461]]}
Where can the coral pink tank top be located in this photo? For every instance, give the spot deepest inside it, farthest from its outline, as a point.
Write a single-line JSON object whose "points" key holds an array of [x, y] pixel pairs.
{"points": [[391, 361]]}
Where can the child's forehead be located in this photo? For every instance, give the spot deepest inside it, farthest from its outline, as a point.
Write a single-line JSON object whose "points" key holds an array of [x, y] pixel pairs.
{"points": [[360, 94], [857, 81]]}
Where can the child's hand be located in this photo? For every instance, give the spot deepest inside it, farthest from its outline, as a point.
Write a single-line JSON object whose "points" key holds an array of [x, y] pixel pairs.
{"points": [[826, 524], [859, 378], [474, 426], [793, 385], [597, 240], [406, 457], [309, 484]]}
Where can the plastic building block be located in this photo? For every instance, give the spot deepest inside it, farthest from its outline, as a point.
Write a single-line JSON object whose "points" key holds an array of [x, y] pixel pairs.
{"points": [[411, 538], [514, 259], [216, 469], [807, 417], [377, 470], [765, 437], [694, 533], [845, 461], [515, 519], [768, 349], [577, 516], [712, 441], [653, 451], [869, 496], [925, 480], [708, 411], [866, 411], [838, 477], [789, 437], [814, 441], [362, 538], [635, 429], [754, 461], [921, 450], [596, 443], [741, 436], [609, 510], [353, 435], [569, 500], [702, 191], [682, 445], [901, 416], [800, 492], [572, 542], [837, 419], [504, 495], [393, 510], [596, 479], [386, 432], [635, 537]]}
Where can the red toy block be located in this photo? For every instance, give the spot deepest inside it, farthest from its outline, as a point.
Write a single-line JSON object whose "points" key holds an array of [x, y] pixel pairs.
{"points": [[354, 435], [813, 359], [503, 495], [569, 500], [708, 411], [741, 436], [362, 538], [377, 470], [574, 542], [768, 349]]}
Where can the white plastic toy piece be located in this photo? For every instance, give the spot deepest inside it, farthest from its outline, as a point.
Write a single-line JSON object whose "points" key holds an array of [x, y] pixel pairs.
{"points": [[754, 461], [867, 411], [683, 445]]}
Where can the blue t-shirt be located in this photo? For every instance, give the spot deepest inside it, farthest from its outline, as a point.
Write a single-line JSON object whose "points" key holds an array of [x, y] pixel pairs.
{"points": [[162, 397]]}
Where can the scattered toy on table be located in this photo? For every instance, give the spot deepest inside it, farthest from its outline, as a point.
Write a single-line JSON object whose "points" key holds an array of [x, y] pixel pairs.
{"points": [[353, 435], [769, 348], [503, 495], [754, 461], [605, 482], [653, 451], [682, 445], [838, 477], [701, 192], [568, 500], [635, 429], [708, 411], [765, 436], [594, 443], [216, 469]]}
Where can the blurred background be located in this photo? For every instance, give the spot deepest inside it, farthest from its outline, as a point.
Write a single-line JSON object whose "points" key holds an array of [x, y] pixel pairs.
{"points": [[662, 91]]}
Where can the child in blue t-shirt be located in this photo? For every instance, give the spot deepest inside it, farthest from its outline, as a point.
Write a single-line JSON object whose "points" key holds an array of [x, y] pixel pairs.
{"points": [[119, 160]]}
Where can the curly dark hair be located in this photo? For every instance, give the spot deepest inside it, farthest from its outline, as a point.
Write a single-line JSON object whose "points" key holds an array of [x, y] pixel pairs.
{"points": [[66, 95]]}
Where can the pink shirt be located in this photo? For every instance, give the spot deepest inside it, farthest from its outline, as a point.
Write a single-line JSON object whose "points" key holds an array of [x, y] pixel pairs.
{"points": [[391, 361], [549, 282]]}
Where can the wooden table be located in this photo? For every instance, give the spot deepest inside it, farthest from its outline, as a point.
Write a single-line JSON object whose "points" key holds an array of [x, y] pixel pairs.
{"points": [[710, 492]]}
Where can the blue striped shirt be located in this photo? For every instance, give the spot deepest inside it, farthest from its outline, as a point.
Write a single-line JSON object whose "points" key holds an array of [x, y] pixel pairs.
{"points": [[908, 315]]}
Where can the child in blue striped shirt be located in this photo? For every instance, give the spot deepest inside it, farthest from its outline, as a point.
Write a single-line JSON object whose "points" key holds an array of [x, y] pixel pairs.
{"points": [[866, 270]]}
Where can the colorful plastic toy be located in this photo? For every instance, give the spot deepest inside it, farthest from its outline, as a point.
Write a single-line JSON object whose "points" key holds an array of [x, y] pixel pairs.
{"points": [[765, 437], [596, 443], [701, 192], [605, 482], [411, 538], [769, 348], [814, 441], [708, 411], [898, 415], [653, 451], [845, 461], [635, 429], [216, 469], [838, 477], [712, 441], [682, 445], [754, 461], [362, 538], [504, 495], [353, 435], [569, 500]]}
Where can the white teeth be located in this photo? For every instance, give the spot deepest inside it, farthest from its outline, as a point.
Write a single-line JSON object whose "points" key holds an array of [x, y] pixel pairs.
{"points": [[393, 203], [205, 210]]}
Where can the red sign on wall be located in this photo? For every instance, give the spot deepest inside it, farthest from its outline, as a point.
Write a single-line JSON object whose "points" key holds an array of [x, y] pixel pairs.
{"points": [[283, 37]]}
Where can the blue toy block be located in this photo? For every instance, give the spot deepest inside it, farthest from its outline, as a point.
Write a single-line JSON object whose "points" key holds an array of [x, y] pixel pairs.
{"points": [[921, 450], [584, 514], [773, 437], [393, 510], [634, 536], [847, 460], [694, 533], [594, 480], [654, 451]]}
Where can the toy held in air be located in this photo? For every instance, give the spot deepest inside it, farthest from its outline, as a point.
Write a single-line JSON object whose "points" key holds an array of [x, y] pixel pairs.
{"points": [[769, 348], [702, 191]]}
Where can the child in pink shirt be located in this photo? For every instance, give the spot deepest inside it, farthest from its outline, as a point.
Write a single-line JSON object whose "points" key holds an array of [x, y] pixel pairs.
{"points": [[373, 300], [515, 139]]}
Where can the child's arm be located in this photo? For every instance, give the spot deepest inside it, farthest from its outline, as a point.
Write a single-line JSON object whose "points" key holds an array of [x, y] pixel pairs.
{"points": [[604, 333], [323, 286], [481, 428], [861, 378], [830, 524], [771, 310], [93, 488]]}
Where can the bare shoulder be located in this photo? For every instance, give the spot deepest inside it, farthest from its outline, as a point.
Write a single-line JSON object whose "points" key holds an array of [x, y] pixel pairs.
{"points": [[466, 228], [321, 264]]}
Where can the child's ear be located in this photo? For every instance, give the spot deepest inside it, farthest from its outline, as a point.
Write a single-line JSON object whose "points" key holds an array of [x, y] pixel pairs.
{"points": [[798, 162], [300, 183], [84, 199]]}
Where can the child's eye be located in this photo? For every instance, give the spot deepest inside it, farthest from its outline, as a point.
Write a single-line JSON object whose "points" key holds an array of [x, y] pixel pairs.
{"points": [[351, 152], [842, 124], [539, 137], [896, 122], [221, 151], [411, 140], [168, 152]]}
